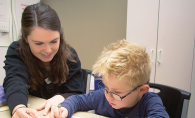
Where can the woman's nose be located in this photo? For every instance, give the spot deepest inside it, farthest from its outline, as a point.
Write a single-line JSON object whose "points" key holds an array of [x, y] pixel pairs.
{"points": [[48, 49]]}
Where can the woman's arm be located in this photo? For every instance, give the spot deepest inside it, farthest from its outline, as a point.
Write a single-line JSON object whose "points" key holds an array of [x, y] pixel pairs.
{"points": [[16, 82]]}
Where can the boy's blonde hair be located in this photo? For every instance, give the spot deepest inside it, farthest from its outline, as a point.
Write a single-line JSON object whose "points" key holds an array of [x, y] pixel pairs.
{"points": [[125, 61]]}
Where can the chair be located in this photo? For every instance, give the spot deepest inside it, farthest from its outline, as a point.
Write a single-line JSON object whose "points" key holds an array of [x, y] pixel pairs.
{"points": [[86, 79], [172, 98]]}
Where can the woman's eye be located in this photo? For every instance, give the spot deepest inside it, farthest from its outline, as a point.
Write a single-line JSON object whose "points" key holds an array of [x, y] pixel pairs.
{"points": [[54, 42], [38, 43]]}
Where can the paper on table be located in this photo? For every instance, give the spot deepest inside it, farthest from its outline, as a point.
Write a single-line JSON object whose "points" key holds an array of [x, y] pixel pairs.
{"points": [[4, 108], [76, 117]]}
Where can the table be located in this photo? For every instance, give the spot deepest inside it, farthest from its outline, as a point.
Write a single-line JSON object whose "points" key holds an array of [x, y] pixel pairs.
{"points": [[34, 102]]}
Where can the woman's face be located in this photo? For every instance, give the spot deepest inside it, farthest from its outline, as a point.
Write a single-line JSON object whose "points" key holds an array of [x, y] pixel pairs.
{"points": [[44, 44]]}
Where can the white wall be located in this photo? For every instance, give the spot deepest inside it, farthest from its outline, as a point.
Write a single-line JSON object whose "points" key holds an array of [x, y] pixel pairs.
{"points": [[3, 51], [90, 25]]}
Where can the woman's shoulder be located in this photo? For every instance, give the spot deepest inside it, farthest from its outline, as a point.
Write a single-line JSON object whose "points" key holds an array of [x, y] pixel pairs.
{"points": [[72, 50], [14, 48], [15, 44], [73, 53]]}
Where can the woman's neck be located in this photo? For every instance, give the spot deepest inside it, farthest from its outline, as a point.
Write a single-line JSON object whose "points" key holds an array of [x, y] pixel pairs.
{"points": [[47, 65], [47, 68]]}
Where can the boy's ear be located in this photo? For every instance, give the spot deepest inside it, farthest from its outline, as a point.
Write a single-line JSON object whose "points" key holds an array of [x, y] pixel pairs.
{"points": [[143, 89]]}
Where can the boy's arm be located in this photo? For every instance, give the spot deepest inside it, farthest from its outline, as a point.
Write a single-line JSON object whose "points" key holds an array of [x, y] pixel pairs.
{"points": [[83, 102]]}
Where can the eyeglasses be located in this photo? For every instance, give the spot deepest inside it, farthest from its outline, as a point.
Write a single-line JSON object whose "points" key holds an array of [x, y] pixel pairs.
{"points": [[115, 96]]}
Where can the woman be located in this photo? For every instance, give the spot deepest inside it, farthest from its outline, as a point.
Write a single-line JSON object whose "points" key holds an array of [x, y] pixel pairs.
{"points": [[41, 63]]}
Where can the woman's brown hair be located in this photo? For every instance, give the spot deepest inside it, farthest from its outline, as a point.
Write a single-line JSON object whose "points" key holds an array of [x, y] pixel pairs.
{"points": [[41, 15]]}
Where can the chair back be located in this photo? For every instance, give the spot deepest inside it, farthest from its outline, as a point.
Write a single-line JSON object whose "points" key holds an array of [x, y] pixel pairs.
{"points": [[172, 98], [86, 79]]}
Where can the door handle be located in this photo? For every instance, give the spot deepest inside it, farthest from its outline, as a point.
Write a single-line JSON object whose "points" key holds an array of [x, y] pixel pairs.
{"points": [[159, 54], [152, 51]]}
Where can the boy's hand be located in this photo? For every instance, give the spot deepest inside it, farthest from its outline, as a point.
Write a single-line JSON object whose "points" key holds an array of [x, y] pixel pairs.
{"points": [[56, 114]]}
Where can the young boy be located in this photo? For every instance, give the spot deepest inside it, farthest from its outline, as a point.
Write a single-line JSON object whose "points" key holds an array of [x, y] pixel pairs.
{"points": [[125, 68]]}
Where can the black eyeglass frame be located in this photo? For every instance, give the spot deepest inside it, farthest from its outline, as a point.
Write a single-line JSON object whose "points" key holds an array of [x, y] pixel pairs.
{"points": [[116, 94]]}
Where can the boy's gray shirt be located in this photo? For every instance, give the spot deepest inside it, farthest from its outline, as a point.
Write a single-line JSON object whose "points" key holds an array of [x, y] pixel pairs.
{"points": [[150, 106]]}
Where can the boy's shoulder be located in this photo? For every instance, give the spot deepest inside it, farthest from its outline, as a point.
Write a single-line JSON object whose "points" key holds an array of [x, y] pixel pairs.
{"points": [[150, 95], [150, 99], [97, 96], [97, 93], [150, 105]]}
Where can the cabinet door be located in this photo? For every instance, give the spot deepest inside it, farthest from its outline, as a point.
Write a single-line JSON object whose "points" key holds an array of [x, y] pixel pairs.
{"points": [[176, 42], [142, 22]]}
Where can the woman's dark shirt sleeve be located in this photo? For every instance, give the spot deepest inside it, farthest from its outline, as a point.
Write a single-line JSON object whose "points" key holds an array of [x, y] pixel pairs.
{"points": [[16, 82]]}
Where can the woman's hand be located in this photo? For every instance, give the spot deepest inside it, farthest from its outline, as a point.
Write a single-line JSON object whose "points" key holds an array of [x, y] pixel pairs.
{"points": [[20, 111], [50, 103], [56, 113]]}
